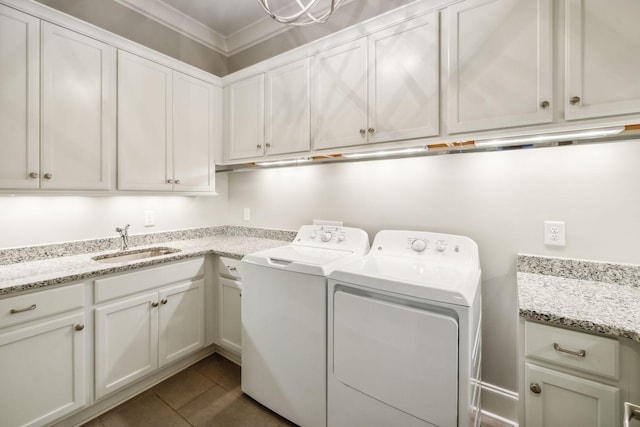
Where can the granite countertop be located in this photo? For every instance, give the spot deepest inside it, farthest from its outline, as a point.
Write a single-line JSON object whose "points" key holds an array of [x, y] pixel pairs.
{"points": [[587, 295], [26, 274]]}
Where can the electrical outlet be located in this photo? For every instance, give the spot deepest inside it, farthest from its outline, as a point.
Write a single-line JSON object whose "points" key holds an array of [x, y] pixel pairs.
{"points": [[149, 218], [554, 233], [247, 214]]}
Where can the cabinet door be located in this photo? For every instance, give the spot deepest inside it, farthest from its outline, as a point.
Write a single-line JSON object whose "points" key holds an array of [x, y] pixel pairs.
{"points": [[499, 65], [288, 109], [568, 401], [19, 99], [230, 315], [193, 115], [339, 96], [43, 371], [126, 342], [78, 111], [603, 61], [245, 118], [144, 124], [404, 87], [181, 320]]}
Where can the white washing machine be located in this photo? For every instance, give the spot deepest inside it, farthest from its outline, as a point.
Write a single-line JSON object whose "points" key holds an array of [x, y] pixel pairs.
{"points": [[404, 334], [284, 320]]}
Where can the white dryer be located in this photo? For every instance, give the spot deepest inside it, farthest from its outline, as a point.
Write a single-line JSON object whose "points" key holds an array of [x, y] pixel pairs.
{"points": [[404, 334], [284, 320]]}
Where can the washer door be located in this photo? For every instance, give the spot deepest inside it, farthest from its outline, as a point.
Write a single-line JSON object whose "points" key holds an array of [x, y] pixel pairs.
{"points": [[402, 356]]}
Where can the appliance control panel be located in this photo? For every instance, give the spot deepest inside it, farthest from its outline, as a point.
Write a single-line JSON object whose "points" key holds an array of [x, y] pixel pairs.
{"points": [[424, 245], [333, 237]]}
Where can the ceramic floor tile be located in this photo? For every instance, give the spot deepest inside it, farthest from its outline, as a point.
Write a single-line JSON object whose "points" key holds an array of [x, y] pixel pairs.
{"points": [[146, 411], [94, 423], [182, 387], [221, 371]]}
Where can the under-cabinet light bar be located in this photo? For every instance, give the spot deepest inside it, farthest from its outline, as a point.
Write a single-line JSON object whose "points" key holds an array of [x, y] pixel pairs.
{"points": [[399, 152], [580, 134], [284, 162]]}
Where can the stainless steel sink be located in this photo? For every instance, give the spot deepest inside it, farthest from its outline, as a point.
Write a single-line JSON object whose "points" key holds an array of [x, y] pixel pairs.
{"points": [[135, 254]]}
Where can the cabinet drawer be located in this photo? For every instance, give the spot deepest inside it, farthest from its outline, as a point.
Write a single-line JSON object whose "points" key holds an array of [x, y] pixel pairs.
{"points": [[151, 278], [599, 355], [32, 306], [230, 267]]}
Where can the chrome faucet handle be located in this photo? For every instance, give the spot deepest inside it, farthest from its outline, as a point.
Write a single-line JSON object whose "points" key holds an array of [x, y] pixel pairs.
{"points": [[124, 234]]}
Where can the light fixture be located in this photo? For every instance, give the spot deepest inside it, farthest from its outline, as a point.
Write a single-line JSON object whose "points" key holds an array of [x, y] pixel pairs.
{"points": [[559, 136], [284, 162], [384, 153], [304, 16]]}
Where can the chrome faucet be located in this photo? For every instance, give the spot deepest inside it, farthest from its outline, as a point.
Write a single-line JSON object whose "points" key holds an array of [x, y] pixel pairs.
{"points": [[124, 234]]}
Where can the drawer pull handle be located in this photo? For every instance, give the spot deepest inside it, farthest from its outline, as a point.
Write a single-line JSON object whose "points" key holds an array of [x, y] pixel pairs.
{"points": [[232, 268], [22, 310], [580, 353]]}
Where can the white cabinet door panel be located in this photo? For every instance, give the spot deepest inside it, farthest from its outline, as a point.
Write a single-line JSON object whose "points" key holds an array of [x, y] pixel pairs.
{"points": [[144, 124], [126, 340], [78, 111], [340, 96], [603, 58], [404, 87], [19, 99], [500, 64], [288, 109], [230, 314], [193, 118], [43, 372], [181, 320], [245, 118], [568, 401]]}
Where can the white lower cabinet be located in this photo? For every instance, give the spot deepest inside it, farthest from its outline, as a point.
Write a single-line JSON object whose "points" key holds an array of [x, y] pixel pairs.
{"points": [[570, 378], [556, 399], [43, 372], [229, 303]]}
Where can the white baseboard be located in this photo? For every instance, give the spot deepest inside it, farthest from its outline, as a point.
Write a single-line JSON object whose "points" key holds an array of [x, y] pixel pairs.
{"points": [[500, 404]]}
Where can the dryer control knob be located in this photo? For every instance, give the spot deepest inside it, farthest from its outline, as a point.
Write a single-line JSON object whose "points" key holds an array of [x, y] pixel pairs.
{"points": [[441, 245], [418, 245], [325, 236], [313, 235]]}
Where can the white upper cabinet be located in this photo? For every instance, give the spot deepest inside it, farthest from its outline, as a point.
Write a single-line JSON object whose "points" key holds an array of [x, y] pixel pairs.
{"points": [[602, 59], [340, 96], [499, 64], [144, 124], [19, 99], [288, 106], [78, 111], [193, 134], [244, 102], [165, 128], [404, 92]]}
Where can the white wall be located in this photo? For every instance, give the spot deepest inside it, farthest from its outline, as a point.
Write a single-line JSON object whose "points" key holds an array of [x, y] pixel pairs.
{"points": [[33, 220], [500, 199]]}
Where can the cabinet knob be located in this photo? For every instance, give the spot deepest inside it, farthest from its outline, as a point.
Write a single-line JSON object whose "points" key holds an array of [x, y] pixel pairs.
{"points": [[362, 131], [177, 181], [535, 387], [154, 304], [164, 301], [79, 327], [33, 175], [371, 130], [544, 104], [169, 181], [268, 145], [48, 176], [574, 100], [259, 146]]}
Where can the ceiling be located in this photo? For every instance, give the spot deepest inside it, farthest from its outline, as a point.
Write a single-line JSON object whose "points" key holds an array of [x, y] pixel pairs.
{"points": [[227, 26]]}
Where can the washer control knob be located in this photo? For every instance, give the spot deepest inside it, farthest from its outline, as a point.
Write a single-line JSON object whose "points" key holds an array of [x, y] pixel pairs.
{"points": [[418, 245], [441, 245], [314, 235], [340, 237], [325, 236]]}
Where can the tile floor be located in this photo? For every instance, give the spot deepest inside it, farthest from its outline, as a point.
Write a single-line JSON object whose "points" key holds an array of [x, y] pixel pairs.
{"points": [[205, 394]]}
